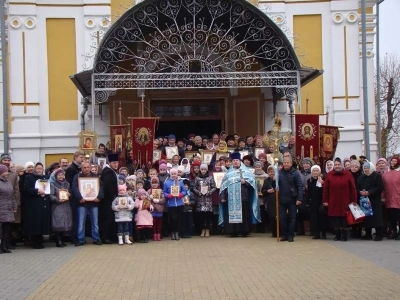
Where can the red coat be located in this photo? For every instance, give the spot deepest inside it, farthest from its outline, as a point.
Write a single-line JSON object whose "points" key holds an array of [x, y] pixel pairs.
{"points": [[339, 191]]}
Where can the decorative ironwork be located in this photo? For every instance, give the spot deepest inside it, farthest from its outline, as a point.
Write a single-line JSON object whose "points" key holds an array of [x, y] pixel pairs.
{"points": [[172, 36]]}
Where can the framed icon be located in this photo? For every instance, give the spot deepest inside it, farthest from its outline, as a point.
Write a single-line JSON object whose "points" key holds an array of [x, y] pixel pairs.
{"points": [[218, 176], [156, 155], [123, 201], [89, 187], [206, 156], [190, 154], [63, 195], [258, 151], [260, 183], [156, 193], [220, 154], [44, 185], [88, 142], [171, 151], [243, 153], [175, 190], [101, 162]]}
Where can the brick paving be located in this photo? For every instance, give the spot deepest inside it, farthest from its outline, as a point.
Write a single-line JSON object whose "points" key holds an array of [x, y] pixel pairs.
{"points": [[206, 268]]}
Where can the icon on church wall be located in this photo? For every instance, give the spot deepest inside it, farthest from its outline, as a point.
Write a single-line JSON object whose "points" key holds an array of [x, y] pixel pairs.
{"points": [[87, 143], [118, 143], [328, 142]]}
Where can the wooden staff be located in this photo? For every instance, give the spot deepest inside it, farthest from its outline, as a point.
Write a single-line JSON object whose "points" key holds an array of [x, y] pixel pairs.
{"points": [[120, 114]]}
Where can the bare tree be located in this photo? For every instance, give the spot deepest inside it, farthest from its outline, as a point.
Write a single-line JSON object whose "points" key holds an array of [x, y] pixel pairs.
{"points": [[389, 105]]}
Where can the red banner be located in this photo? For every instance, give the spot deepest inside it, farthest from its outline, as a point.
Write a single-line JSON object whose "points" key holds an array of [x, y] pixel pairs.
{"points": [[329, 137], [143, 130], [307, 137], [118, 141]]}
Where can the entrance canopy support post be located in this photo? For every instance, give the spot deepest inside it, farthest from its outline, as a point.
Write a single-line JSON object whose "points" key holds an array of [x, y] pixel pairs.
{"points": [[93, 101]]}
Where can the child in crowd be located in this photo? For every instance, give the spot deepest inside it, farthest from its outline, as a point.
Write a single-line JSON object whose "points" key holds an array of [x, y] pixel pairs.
{"points": [[163, 175], [123, 205], [187, 214], [153, 173], [181, 172], [141, 175], [143, 218], [121, 179], [158, 200]]}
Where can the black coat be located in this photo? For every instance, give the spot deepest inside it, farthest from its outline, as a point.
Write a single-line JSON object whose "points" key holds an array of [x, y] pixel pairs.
{"points": [[269, 198], [107, 225], [71, 172], [374, 185], [37, 208]]}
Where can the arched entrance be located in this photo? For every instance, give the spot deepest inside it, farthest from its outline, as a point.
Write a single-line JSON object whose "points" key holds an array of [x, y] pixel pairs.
{"points": [[202, 45]]}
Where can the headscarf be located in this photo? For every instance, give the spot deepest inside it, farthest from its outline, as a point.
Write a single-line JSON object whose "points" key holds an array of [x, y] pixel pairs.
{"points": [[337, 159], [187, 168], [397, 163], [55, 173], [327, 170], [371, 167], [225, 147], [3, 169], [34, 168]]}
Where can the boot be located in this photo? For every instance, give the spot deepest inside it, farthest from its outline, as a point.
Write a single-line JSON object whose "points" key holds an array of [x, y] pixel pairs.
{"points": [[154, 237], [344, 235], [338, 235], [120, 241], [158, 237], [203, 233], [173, 237], [323, 235], [3, 247], [207, 234], [177, 236], [59, 243], [127, 241]]}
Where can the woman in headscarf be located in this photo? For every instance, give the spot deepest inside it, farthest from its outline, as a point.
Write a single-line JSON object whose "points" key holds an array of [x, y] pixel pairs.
{"points": [[61, 217], [391, 179], [260, 178], [328, 168], [338, 192], [222, 148], [355, 170], [381, 165], [8, 206], [347, 163], [318, 220], [37, 208], [370, 184]]}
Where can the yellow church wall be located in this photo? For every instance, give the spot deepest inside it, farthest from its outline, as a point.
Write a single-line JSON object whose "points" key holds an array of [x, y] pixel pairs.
{"points": [[61, 63], [51, 158], [307, 31], [117, 6]]}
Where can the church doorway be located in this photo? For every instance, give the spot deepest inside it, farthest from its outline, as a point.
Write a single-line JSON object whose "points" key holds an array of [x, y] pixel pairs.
{"points": [[181, 129]]}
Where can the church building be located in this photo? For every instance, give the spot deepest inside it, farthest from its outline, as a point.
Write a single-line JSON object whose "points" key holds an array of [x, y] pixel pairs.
{"points": [[202, 66]]}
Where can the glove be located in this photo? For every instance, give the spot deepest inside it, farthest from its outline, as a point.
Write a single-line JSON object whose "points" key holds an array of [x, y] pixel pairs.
{"points": [[180, 195], [170, 196], [156, 200]]}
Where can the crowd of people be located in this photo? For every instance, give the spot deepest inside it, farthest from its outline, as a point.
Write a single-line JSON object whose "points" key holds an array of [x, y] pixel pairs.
{"points": [[180, 197]]}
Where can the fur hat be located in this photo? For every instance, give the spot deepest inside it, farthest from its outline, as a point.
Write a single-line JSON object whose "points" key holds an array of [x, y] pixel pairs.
{"points": [[29, 163]]}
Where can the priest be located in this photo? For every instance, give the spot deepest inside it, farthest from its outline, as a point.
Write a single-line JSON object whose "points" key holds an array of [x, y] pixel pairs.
{"points": [[238, 195], [109, 178]]}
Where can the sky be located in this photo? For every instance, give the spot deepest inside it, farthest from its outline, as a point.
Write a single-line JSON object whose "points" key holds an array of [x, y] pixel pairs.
{"points": [[389, 12]]}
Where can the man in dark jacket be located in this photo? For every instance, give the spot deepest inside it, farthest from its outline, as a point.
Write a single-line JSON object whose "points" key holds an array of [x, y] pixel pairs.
{"points": [[85, 206], [109, 178], [291, 191], [70, 173]]}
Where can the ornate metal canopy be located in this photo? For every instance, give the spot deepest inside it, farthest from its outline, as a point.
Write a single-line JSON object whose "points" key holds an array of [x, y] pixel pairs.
{"points": [[170, 44]]}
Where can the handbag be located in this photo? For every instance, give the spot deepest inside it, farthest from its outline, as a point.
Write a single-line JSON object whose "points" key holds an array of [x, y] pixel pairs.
{"points": [[356, 213], [351, 220], [365, 206]]}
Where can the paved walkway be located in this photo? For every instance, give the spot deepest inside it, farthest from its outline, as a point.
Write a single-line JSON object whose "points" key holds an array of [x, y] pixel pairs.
{"points": [[206, 268]]}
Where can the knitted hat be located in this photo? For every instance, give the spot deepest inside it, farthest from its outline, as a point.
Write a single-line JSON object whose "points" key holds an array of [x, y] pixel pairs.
{"points": [[123, 168], [366, 165], [58, 171], [162, 167], [383, 160], [141, 192], [181, 168], [122, 177], [262, 155], [171, 137], [29, 164], [355, 163], [3, 169], [258, 164], [307, 160], [203, 166], [196, 164], [173, 171], [316, 167], [139, 171], [248, 157], [5, 156], [139, 181]]}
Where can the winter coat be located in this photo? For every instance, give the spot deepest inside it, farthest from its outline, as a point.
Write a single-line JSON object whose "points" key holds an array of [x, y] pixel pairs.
{"points": [[7, 201], [391, 180], [37, 208], [158, 207], [14, 179], [269, 198], [174, 201], [76, 194], [339, 191], [373, 184], [261, 200], [288, 180], [61, 212], [123, 214], [143, 217], [204, 202]]}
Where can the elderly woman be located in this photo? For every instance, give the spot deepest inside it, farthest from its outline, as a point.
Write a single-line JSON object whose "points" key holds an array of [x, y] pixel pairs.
{"points": [[381, 165], [338, 192], [8, 206], [61, 217], [391, 179], [37, 208], [370, 184]]}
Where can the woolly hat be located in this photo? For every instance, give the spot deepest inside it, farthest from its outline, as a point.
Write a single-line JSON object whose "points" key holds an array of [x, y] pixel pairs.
{"points": [[203, 166], [28, 164], [171, 137], [140, 181], [19, 168], [58, 171], [139, 171], [131, 177], [307, 160], [383, 160], [173, 171], [162, 167], [122, 177], [355, 163], [259, 164], [316, 167], [123, 168], [5, 156], [3, 169], [262, 154], [155, 180], [181, 168], [248, 157], [196, 164], [141, 192]]}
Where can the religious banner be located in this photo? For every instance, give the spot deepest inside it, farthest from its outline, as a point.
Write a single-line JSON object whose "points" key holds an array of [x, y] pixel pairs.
{"points": [[143, 130], [118, 134], [307, 137], [328, 139]]}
